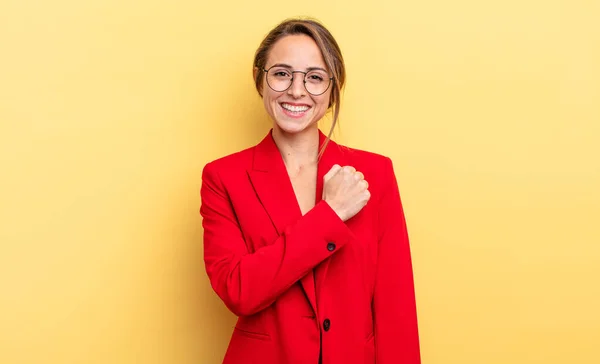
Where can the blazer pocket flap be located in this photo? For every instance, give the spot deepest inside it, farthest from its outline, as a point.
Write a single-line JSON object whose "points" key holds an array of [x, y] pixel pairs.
{"points": [[252, 334]]}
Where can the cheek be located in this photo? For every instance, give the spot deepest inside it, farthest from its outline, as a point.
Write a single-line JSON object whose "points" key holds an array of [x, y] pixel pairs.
{"points": [[321, 108], [324, 101], [267, 104], [270, 95], [270, 102], [267, 97]]}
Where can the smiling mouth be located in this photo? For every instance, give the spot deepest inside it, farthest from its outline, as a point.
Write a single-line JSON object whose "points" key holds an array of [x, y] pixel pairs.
{"points": [[294, 110]]}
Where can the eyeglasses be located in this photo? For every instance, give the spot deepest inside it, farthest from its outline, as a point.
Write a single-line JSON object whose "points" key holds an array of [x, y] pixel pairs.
{"points": [[279, 79]]}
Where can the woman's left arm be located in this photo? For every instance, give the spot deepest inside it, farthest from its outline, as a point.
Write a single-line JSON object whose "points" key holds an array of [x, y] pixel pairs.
{"points": [[394, 306]]}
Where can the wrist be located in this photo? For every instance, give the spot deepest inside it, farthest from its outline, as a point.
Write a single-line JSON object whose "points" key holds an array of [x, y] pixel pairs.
{"points": [[336, 210]]}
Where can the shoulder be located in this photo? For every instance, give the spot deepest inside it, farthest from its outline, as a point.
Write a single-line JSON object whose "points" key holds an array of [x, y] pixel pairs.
{"points": [[219, 172], [368, 162], [378, 170], [232, 161]]}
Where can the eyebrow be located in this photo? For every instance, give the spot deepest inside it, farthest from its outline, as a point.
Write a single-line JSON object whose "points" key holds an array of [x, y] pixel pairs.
{"points": [[290, 67]]}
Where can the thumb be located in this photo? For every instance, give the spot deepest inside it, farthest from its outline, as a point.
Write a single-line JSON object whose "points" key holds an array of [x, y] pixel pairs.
{"points": [[332, 172]]}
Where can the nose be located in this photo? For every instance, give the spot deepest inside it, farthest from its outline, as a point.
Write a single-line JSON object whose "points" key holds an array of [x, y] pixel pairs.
{"points": [[297, 89]]}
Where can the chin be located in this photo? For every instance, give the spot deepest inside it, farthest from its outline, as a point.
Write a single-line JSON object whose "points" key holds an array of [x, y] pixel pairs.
{"points": [[293, 126]]}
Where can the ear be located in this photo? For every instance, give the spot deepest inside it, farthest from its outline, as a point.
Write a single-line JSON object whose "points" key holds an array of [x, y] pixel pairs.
{"points": [[254, 75]]}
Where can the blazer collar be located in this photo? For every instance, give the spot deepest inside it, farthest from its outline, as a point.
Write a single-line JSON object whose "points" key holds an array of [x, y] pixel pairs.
{"points": [[268, 158]]}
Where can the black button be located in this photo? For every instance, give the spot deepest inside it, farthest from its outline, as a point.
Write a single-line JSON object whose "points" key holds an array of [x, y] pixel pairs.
{"points": [[331, 247], [326, 324]]}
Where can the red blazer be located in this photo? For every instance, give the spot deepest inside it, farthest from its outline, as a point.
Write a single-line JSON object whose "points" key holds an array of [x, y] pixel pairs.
{"points": [[305, 286]]}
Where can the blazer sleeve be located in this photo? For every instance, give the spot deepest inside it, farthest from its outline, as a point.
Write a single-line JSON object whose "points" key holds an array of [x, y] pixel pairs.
{"points": [[248, 283], [394, 306]]}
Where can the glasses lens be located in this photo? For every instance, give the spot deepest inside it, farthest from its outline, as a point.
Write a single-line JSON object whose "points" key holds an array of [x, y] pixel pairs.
{"points": [[279, 79], [317, 82]]}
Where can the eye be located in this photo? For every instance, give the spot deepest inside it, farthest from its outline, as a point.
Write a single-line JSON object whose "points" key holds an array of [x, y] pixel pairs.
{"points": [[280, 73], [315, 77]]}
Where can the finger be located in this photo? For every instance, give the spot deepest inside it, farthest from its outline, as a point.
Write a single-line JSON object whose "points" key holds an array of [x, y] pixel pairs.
{"points": [[364, 184], [359, 175], [332, 172], [349, 169]]}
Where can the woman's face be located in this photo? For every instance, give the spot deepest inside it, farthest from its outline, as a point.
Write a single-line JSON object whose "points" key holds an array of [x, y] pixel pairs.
{"points": [[295, 110]]}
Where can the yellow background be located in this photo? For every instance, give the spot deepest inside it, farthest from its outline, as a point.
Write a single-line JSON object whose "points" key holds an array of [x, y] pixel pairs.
{"points": [[109, 110]]}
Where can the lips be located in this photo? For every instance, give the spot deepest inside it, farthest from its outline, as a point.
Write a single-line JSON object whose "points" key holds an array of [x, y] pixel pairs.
{"points": [[295, 111], [295, 108]]}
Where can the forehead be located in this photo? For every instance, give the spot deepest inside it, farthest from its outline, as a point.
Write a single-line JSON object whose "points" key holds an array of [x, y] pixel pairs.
{"points": [[299, 50]]}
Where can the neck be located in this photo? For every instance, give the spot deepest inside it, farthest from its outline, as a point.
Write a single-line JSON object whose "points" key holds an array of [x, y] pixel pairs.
{"points": [[298, 149]]}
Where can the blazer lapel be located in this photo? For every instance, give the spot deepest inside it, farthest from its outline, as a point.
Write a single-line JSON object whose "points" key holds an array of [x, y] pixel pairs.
{"points": [[273, 186], [274, 189]]}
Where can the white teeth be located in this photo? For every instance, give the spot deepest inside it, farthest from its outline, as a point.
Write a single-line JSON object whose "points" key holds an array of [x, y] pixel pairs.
{"points": [[294, 108]]}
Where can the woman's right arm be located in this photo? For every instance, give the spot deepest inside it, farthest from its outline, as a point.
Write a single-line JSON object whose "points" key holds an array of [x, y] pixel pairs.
{"points": [[248, 283]]}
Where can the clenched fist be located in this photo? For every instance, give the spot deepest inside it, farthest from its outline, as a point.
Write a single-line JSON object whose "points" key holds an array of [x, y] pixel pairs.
{"points": [[345, 190]]}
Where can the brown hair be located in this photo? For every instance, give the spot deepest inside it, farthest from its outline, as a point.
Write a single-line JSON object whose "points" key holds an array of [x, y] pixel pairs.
{"points": [[329, 49]]}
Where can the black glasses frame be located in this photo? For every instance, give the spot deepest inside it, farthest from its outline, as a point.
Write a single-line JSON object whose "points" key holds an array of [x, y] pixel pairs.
{"points": [[266, 71]]}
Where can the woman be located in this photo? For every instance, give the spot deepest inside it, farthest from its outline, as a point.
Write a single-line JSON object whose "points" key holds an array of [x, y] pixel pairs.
{"points": [[305, 240]]}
